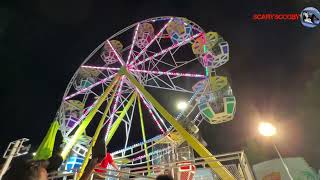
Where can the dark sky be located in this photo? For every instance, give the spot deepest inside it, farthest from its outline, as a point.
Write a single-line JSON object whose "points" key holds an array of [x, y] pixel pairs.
{"points": [[42, 43]]}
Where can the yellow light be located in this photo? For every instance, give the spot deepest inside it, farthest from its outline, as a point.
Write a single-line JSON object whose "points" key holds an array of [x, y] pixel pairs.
{"points": [[33, 154], [267, 129], [182, 105]]}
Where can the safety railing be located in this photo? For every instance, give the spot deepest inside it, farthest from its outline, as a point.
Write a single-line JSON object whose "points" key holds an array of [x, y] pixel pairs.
{"points": [[235, 162]]}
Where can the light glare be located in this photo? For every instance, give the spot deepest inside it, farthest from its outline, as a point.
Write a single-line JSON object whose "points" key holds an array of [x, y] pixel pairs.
{"points": [[182, 105], [267, 129]]}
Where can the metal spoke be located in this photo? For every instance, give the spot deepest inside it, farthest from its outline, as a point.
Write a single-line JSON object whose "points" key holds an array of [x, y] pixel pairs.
{"points": [[149, 44], [133, 43], [169, 48]]}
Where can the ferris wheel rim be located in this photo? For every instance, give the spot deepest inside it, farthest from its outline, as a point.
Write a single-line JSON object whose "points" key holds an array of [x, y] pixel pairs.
{"points": [[112, 36], [100, 46]]}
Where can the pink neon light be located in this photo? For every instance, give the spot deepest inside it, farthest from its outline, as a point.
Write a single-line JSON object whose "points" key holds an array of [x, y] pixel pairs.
{"points": [[205, 59], [169, 73], [133, 42], [151, 72], [169, 48], [151, 113], [116, 53], [101, 68], [114, 109], [90, 87], [85, 113], [155, 37]]}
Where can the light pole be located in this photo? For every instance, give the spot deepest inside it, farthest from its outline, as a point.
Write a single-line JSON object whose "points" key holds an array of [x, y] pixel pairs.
{"points": [[15, 148], [268, 130]]}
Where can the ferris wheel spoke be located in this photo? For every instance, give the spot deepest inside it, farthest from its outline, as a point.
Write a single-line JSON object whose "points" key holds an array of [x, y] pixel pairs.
{"points": [[169, 72], [149, 108], [83, 116], [90, 87], [118, 121], [187, 40], [116, 53], [162, 62], [151, 65], [105, 72], [170, 85], [121, 105], [114, 106], [129, 124], [101, 68], [149, 44], [156, 113], [133, 43]]}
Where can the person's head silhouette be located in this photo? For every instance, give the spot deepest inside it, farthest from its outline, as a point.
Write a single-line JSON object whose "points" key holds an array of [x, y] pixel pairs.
{"points": [[164, 177]]}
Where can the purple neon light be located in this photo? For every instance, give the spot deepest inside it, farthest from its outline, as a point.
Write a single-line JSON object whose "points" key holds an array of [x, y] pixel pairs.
{"points": [[90, 87], [155, 37], [133, 42], [84, 115], [151, 113], [100, 68], [168, 49], [151, 72], [116, 53], [169, 73], [114, 109]]}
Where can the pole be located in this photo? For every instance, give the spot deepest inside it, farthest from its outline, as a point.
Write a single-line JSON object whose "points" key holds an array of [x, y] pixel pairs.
{"points": [[283, 163], [10, 157]]}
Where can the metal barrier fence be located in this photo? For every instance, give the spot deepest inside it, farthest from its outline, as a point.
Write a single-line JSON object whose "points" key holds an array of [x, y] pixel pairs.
{"points": [[236, 163]]}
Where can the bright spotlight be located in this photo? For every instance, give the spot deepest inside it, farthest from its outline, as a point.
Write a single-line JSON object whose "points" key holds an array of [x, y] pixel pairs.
{"points": [[267, 129], [182, 105], [33, 154]]}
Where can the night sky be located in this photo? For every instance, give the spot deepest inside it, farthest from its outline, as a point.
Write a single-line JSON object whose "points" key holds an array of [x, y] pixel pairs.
{"points": [[42, 43]]}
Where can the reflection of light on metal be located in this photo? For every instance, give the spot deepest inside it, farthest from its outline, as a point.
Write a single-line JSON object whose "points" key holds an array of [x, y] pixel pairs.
{"points": [[182, 105], [267, 129]]}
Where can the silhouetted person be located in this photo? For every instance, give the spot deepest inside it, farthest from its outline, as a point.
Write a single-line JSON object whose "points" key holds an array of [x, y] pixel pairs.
{"points": [[164, 177], [27, 170]]}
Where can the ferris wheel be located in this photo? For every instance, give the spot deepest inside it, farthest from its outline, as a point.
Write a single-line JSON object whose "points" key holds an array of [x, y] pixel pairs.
{"points": [[125, 90]]}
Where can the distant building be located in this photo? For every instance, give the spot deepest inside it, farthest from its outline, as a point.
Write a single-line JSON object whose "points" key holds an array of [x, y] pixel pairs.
{"points": [[274, 170]]}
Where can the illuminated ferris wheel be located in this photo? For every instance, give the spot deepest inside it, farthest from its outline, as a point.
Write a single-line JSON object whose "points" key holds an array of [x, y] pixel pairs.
{"points": [[124, 90]]}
